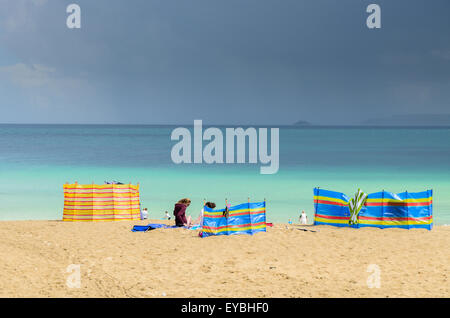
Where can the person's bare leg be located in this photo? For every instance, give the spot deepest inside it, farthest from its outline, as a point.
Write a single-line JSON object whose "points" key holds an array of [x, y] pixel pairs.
{"points": [[197, 221], [188, 219]]}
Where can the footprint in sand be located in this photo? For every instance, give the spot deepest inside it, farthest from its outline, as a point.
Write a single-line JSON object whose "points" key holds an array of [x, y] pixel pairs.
{"points": [[206, 268]]}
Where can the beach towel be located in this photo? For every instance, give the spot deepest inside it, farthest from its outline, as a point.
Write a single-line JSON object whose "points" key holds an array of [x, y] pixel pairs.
{"points": [[149, 227], [195, 227]]}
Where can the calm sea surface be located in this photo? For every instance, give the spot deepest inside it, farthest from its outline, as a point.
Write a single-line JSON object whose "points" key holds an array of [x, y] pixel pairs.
{"points": [[36, 160]]}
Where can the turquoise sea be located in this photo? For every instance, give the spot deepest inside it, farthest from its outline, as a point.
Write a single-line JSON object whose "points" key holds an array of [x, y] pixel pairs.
{"points": [[36, 160]]}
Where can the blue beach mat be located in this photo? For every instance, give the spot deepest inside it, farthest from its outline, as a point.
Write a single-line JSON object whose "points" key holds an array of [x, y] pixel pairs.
{"points": [[149, 227]]}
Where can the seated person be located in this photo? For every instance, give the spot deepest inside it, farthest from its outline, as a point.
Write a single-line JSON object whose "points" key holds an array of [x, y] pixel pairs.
{"points": [[180, 213], [199, 220]]}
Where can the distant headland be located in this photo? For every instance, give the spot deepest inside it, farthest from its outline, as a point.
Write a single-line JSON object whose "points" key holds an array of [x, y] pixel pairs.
{"points": [[411, 120], [301, 123]]}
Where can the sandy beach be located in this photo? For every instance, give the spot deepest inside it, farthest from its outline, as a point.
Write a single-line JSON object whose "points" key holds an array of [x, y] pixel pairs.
{"points": [[284, 262]]}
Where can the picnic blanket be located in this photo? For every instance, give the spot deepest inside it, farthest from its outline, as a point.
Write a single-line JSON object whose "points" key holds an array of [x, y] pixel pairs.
{"points": [[151, 226]]}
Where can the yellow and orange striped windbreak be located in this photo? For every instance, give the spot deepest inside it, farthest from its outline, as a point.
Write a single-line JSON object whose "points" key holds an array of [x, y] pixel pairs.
{"points": [[106, 202]]}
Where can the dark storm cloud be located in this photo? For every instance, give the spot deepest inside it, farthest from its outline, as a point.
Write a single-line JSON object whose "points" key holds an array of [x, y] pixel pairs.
{"points": [[239, 61]]}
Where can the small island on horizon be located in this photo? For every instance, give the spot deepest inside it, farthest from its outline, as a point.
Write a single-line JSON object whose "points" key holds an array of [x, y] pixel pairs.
{"points": [[302, 123]]}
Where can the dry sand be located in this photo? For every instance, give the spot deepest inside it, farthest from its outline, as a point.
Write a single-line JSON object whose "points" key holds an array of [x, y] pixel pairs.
{"points": [[115, 262]]}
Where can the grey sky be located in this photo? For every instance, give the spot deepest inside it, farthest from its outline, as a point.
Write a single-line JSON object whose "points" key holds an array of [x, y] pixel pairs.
{"points": [[223, 61]]}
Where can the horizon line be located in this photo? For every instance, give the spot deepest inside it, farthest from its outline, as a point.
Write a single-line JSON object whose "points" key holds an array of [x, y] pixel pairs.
{"points": [[236, 125]]}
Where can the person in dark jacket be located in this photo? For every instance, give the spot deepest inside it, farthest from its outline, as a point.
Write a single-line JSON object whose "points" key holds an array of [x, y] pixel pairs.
{"points": [[180, 212]]}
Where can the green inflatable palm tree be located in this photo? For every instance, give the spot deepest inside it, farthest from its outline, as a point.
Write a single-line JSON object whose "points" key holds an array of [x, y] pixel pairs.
{"points": [[355, 206]]}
